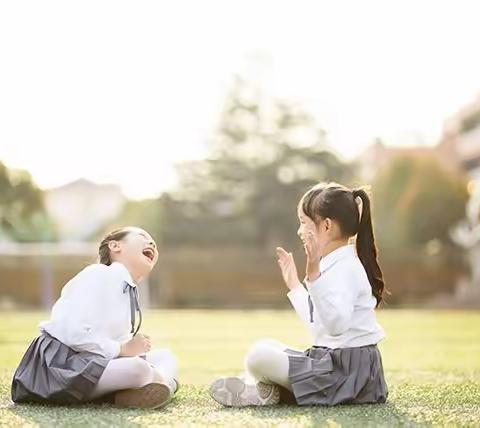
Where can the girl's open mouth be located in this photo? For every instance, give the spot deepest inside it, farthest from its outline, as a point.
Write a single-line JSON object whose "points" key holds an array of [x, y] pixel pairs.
{"points": [[149, 254]]}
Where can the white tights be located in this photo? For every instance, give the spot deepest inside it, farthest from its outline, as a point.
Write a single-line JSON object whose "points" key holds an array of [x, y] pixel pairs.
{"points": [[267, 362], [135, 372]]}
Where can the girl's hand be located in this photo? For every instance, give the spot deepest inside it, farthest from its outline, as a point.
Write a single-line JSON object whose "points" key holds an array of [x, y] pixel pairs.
{"points": [[138, 345], [288, 268], [313, 251]]}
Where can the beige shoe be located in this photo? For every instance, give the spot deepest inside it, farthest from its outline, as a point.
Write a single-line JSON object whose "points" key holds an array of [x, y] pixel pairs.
{"points": [[151, 396], [234, 392]]}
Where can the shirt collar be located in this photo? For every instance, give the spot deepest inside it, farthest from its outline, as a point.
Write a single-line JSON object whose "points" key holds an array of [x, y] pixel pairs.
{"points": [[126, 276], [336, 255]]}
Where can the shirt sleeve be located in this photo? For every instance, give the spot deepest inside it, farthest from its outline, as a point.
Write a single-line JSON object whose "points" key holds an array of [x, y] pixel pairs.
{"points": [[298, 297], [333, 295], [85, 311]]}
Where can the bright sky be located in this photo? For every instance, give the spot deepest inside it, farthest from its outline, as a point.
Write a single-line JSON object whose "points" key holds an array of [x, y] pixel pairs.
{"points": [[119, 91]]}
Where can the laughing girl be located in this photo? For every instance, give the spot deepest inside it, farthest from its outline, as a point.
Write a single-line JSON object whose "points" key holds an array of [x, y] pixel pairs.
{"points": [[92, 345]]}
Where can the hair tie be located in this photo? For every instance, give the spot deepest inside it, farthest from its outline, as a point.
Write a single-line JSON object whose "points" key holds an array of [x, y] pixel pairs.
{"points": [[359, 202]]}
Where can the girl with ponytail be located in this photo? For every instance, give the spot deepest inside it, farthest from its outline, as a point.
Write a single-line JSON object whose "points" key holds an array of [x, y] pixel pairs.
{"points": [[342, 288]]}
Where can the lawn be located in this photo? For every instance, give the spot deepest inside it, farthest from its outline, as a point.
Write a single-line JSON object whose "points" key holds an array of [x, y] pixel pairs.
{"points": [[431, 358]]}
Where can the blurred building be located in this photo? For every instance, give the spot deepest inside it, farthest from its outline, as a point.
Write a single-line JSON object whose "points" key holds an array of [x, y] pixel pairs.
{"points": [[81, 208], [32, 274], [378, 154], [460, 141]]}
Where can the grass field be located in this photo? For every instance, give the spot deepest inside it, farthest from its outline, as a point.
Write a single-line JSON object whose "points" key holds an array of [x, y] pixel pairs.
{"points": [[431, 358]]}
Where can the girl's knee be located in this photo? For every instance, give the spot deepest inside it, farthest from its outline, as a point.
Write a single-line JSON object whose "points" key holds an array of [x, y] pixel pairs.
{"points": [[267, 343], [164, 360], [140, 372], [259, 355], [163, 355]]}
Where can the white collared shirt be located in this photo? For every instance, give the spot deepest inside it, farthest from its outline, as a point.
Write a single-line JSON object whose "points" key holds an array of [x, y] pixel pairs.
{"points": [[93, 311], [343, 303]]}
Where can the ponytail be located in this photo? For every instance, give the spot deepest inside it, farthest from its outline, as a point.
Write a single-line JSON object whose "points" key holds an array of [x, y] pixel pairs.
{"points": [[366, 249]]}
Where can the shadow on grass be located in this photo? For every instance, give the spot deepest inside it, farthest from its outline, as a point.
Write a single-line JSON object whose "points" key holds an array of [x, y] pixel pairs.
{"points": [[181, 412], [344, 415], [387, 414], [45, 415], [193, 406]]}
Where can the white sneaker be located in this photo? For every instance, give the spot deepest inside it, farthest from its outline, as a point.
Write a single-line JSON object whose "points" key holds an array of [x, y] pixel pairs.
{"points": [[234, 392]]}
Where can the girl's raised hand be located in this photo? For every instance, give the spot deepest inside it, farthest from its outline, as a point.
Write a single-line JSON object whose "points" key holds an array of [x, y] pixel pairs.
{"points": [[288, 268]]}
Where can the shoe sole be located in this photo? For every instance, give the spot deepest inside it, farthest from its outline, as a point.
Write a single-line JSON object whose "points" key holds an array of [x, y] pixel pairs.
{"points": [[228, 391], [151, 396]]}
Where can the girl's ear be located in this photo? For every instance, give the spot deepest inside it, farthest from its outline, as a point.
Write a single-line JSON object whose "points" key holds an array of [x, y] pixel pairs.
{"points": [[327, 224], [114, 246]]}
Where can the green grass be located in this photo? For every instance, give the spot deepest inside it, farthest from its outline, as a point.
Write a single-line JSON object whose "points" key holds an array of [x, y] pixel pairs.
{"points": [[431, 358]]}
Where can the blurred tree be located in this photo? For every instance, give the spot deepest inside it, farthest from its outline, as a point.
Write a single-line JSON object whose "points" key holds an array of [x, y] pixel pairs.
{"points": [[417, 200], [266, 153], [22, 210]]}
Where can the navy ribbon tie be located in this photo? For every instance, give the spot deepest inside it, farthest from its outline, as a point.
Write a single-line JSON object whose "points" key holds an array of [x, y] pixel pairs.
{"points": [[134, 306], [310, 307]]}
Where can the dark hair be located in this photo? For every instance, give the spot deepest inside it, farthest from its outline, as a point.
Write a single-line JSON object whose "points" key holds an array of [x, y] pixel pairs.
{"points": [[104, 251], [338, 203]]}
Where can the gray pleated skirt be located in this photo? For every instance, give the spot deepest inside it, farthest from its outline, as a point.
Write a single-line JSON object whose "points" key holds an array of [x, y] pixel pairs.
{"points": [[51, 372], [324, 376]]}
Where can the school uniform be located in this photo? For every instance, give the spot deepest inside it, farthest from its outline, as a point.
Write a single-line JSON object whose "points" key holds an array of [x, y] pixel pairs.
{"points": [[97, 311], [344, 364]]}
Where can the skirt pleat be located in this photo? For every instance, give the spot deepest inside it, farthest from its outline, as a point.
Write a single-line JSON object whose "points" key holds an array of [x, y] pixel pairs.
{"points": [[52, 372], [324, 376]]}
